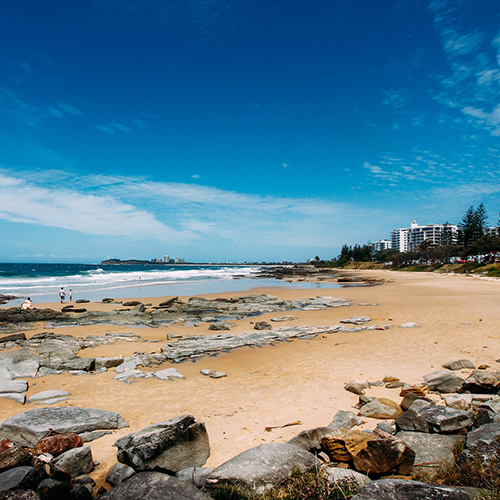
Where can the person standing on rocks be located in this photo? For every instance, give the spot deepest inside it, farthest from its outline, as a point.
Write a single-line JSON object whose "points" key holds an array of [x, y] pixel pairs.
{"points": [[62, 295]]}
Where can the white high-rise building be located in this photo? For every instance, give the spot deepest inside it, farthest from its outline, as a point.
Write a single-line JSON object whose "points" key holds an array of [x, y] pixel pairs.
{"points": [[381, 245], [176, 260], [166, 259], [410, 238]]}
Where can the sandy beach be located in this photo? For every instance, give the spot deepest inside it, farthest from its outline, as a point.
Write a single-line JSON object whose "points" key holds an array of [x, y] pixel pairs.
{"points": [[300, 381]]}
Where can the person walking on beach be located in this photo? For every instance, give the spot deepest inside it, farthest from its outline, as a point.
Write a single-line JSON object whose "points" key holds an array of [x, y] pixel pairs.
{"points": [[70, 295], [62, 295]]}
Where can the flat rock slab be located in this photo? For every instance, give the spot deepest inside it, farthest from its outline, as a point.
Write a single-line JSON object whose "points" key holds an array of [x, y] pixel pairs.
{"points": [[13, 386], [20, 363], [26, 429], [262, 467], [40, 396], [154, 486], [15, 396], [169, 374], [399, 489]]}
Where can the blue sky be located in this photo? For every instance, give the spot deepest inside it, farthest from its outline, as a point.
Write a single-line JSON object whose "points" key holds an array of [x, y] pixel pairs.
{"points": [[223, 130]]}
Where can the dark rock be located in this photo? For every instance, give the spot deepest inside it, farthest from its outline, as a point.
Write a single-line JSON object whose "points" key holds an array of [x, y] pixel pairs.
{"points": [[154, 486], [26, 429], [386, 427], [438, 419], [15, 337], [197, 476], [431, 450], [75, 462], [131, 303], [218, 327], [107, 300], [169, 302], [85, 301], [14, 456], [19, 495], [459, 364], [118, 473], [480, 382], [262, 325], [262, 467], [400, 489], [486, 434], [411, 420], [345, 420], [443, 381], [51, 489], [485, 453], [81, 492], [15, 315], [18, 478], [171, 445]]}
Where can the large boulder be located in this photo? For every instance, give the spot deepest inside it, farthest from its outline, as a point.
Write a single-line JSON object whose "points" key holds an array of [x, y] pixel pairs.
{"points": [[75, 462], [154, 486], [400, 489], [197, 476], [444, 381], [342, 446], [26, 429], [482, 382], [12, 455], [434, 419], [459, 364], [357, 387], [171, 445], [13, 386], [260, 468], [384, 453], [340, 475], [20, 363], [431, 450], [310, 440], [24, 477], [345, 420], [378, 409], [486, 434]]}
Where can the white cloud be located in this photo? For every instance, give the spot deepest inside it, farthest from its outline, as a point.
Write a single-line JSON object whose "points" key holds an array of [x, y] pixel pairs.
{"points": [[112, 128]]}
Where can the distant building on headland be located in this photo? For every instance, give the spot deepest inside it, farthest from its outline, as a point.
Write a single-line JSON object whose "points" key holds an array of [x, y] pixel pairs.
{"points": [[166, 259], [409, 238], [381, 245]]}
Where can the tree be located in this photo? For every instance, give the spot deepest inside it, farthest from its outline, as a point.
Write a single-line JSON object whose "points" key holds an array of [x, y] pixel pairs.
{"points": [[447, 235], [471, 227]]}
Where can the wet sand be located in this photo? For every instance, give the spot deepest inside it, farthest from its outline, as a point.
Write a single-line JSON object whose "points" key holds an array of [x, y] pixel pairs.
{"points": [[300, 381]]}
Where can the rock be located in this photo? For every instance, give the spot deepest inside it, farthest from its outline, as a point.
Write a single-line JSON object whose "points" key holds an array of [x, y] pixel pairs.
{"points": [[386, 427], [431, 450], [444, 381], [342, 446], [262, 325], [18, 398], [86, 301], [206, 372], [26, 429], [40, 396], [400, 489], [260, 468], [482, 382], [410, 324], [88, 437], [357, 386], [218, 374], [118, 473], [111, 362], [13, 456], [218, 327], [18, 338], [169, 302], [154, 486], [169, 374], [377, 409], [345, 420], [339, 475], [418, 390], [486, 434], [197, 476], [459, 364], [458, 401], [20, 363], [75, 462], [384, 453], [19, 495], [24, 477], [484, 453], [310, 440], [53, 489], [359, 320], [132, 303], [283, 318], [81, 492], [58, 443], [13, 386], [5, 374], [172, 445], [434, 419]]}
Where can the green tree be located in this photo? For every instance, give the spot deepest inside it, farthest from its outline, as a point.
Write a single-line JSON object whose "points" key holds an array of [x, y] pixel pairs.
{"points": [[447, 235], [471, 227]]}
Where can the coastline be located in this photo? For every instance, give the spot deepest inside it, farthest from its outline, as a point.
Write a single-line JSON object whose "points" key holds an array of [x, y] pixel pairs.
{"points": [[302, 380]]}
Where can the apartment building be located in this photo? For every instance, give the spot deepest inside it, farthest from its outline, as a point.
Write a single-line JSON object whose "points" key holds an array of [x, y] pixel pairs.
{"points": [[410, 238], [381, 245]]}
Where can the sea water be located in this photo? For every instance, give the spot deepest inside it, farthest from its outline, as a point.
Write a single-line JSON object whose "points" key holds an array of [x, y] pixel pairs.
{"points": [[42, 282]]}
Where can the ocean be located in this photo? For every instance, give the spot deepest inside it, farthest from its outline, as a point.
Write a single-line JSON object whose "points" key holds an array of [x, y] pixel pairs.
{"points": [[42, 282]]}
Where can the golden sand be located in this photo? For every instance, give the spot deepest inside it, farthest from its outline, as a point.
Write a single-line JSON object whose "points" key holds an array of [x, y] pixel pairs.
{"points": [[301, 381]]}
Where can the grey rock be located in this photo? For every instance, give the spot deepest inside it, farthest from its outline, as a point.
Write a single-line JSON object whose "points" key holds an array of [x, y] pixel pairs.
{"points": [[345, 420], [400, 489], [75, 462], [19, 495], [419, 404], [482, 382], [357, 386], [459, 364], [458, 401], [283, 318], [339, 475], [197, 476], [88, 437], [218, 326], [218, 375], [485, 453], [21, 364], [24, 477], [5, 373], [154, 486], [111, 362], [26, 429], [169, 374], [358, 320], [15, 396], [386, 427], [486, 434], [129, 374], [40, 396], [310, 440], [13, 386], [444, 381], [431, 450], [409, 324], [51, 401], [412, 421], [172, 445], [206, 372], [262, 325], [442, 419], [377, 409], [260, 468], [118, 473]]}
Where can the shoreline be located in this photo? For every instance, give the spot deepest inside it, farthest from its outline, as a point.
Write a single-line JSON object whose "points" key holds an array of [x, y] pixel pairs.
{"points": [[301, 380]]}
